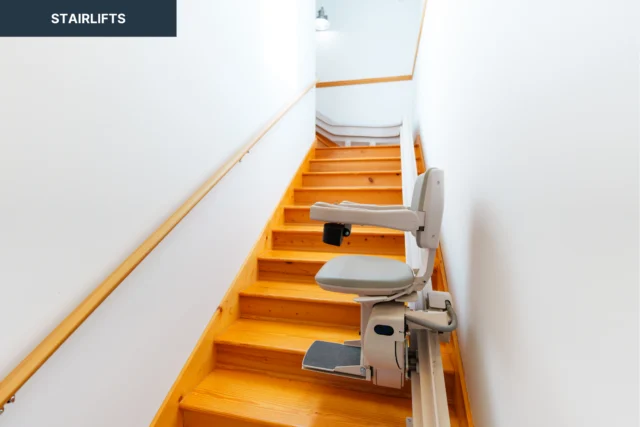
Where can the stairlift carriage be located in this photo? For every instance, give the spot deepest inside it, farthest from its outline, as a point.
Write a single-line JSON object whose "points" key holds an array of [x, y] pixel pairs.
{"points": [[397, 342]]}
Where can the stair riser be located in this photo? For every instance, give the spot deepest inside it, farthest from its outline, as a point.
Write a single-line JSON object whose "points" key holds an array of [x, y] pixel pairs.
{"points": [[299, 311], [368, 165], [298, 216], [350, 153], [354, 244], [288, 271], [358, 180], [199, 419], [378, 197], [288, 365]]}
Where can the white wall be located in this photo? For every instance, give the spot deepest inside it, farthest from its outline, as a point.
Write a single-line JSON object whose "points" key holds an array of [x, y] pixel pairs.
{"points": [[367, 38], [100, 141], [376, 104], [532, 111]]}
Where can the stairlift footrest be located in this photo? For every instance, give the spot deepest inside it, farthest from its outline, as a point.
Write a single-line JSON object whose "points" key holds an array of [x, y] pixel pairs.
{"points": [[333, 358]]}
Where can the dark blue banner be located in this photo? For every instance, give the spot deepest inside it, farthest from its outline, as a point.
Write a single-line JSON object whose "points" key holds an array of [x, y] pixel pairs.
{"points": [[88, 18]]}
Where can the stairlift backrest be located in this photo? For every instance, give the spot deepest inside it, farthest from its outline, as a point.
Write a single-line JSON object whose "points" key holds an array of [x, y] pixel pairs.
{"points": [[428, 197]]}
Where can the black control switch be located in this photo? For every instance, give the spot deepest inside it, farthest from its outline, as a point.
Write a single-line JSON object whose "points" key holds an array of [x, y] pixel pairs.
{"points": [[334, 233]]}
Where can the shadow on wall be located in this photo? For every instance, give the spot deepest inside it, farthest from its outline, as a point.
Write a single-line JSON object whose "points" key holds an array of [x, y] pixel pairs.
{"points": [[488, 309]]}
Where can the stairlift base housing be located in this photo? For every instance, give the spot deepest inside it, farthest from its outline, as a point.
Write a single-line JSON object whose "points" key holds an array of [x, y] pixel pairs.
{"points": [[383, 287]]}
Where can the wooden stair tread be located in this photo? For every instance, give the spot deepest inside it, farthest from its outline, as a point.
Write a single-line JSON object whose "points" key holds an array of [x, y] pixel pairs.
{"points": [[261, 399], [359, 188], [288, 337], [297, 292], [347, 177], [343, 164], [285, 264], [299, 207], [313, 228], [295, 337], [331, 173], [359, 147], [302, 256], [379, 195], [359, 152], [354, 159]]}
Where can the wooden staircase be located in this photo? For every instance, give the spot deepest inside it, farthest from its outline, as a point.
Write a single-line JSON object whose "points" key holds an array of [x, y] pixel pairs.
{"points": [[246, 369]]}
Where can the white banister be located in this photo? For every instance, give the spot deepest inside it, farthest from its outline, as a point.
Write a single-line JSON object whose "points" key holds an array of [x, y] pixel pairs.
{"points": [[354, 133]]}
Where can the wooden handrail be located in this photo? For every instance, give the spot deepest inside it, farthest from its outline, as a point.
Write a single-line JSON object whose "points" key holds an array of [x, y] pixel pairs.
{"points": [[21, 374], [364, 81], [415, 57], [384, 79]]}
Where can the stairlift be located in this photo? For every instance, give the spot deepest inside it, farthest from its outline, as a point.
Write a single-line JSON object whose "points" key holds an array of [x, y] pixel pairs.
{"points": [[397, 342]]}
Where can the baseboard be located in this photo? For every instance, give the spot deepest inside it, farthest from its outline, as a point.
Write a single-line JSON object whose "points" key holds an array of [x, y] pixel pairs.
{"points": [[439, 282]]}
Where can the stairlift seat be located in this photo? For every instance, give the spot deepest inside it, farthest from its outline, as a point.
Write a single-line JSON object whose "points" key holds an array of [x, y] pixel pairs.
{"points": [[383, 286], [365, 275]]}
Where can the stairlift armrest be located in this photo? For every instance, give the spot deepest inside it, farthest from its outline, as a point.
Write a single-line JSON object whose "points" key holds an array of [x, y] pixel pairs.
{"points": [[366, 206], [397, 218]]}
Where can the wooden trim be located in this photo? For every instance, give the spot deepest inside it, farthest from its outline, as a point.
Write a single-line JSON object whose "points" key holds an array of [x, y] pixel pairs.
{"points": [[364, 81], [203, 357], [21, 374], [420, 155], [415, 58], [384, 79], [461, 397], [323, 141]]}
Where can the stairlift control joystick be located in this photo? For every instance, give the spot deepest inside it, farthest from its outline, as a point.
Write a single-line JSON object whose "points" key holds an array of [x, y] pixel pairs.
{"points": [[333, 233]]}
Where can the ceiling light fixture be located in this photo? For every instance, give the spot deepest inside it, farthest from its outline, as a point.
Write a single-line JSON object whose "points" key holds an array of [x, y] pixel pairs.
{"points": [[322, 21]]}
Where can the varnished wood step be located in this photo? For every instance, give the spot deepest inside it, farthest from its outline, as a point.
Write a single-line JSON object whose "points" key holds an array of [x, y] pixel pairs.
{"points": [[279, 347], [296, 266], [353, 178], [292, 337], [285, 337], [387, 150], [237, 398], [363, 240], [299, 215], [298, 302], [359, 164], [298, 292], [373, 195]]}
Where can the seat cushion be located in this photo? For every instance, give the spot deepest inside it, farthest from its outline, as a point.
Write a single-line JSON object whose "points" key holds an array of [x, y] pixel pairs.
{"points": [[364, 275]]}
